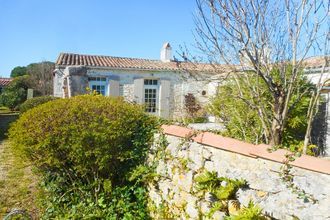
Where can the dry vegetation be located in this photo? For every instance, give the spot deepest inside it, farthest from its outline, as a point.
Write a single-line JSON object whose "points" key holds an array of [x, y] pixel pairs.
{"points": [[18, 184]]}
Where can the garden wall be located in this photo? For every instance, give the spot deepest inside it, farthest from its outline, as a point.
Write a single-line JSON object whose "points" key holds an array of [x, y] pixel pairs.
{"points": [[188, 153]]}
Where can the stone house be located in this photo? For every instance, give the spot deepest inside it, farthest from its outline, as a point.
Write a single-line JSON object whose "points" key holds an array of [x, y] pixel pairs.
{"points": [[161, 85]]}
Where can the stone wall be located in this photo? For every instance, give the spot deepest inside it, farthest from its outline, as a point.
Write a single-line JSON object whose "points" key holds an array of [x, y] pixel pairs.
{"points": [[187, 154]]}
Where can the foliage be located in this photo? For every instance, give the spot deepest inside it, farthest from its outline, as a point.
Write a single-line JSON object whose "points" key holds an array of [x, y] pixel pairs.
{"points": [[248, 115], [18, 71], [191, 105], [222, 188], [312, 149], [232, 105], [41, 77], [31, 103], [195, 113], [92, 146], [270, 49], [15, 93], [251, 212], [127, 201]]}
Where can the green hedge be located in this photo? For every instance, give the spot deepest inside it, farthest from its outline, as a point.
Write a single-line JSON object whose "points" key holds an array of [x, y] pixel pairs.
{"points": [[90, 142], [31, 103]]}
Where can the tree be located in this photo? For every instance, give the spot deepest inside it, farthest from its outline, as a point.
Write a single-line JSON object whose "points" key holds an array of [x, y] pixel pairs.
{"points": [[41, 77], [268, 40], [18, 71], [15, 93], [236, 106]]}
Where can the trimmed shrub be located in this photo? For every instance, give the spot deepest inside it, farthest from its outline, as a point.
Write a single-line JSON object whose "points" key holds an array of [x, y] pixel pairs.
{"points": [[31, 103], [92, 143]]}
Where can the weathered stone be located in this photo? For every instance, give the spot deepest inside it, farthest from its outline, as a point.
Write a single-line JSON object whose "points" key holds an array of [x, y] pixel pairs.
{"points": [[207, 154], [218, 215], [155, 197], [161, 168], [210, 166], [180, 199], [205, 207], [165, 187], [183, 180], [183, 154], [172, 146], [267, 189], [191, 208], [195, 156]]}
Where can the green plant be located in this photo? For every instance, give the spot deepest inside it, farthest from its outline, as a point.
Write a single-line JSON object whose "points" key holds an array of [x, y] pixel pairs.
{"points": [[247, 113], [18, 71], [251, 212], [221, 187], [312, 149], [287, 177], [31, 103], [15, 93], [63, 201], [95, 147], [195, 113]]}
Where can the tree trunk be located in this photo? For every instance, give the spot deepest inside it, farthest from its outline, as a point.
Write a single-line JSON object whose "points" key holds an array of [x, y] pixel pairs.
{"points": [[278, 120], [277, 132]]}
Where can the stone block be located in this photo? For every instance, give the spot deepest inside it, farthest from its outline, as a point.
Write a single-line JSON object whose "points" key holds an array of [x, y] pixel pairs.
{"points": [[183, 180], [205, 207], [207, 154], [218, 215], [192, 211]]}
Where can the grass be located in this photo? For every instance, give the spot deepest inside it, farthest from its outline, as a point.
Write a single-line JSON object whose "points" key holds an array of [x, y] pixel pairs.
{"points": [[18, 184]]}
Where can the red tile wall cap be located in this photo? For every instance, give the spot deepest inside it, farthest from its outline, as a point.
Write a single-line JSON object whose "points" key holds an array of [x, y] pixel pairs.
{"points": [[247, 149]]}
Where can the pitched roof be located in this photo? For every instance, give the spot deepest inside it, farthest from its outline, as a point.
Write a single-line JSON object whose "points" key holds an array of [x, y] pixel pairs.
{"points": [[5, 81], [70, 59]]}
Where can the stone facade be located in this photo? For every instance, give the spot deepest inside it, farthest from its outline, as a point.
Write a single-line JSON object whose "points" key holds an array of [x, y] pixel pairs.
{"points": [[180, 84], [183, 159]]}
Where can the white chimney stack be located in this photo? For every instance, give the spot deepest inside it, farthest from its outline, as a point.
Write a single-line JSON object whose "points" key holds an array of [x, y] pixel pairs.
{"points": [[166, 53]]}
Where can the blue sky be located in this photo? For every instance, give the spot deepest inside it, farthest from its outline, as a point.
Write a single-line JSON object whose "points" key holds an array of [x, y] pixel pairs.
{"points": [[38, 30]]}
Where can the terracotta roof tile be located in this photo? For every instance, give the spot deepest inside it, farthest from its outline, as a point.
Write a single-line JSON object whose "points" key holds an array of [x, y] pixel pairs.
{"points": [[5, 81], [69, 59]]}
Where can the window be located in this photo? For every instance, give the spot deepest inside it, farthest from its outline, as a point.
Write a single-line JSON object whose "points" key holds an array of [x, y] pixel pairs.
{"points": [[151, 82], [99, 89], [98, 84], [151, 95]]}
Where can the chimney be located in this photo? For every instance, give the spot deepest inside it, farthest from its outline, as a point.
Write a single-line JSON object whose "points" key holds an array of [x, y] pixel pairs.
{"points": [[166, 53]]}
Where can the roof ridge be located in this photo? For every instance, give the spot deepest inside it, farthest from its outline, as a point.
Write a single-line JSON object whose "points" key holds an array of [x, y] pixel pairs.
{"points": [[119, 57]]}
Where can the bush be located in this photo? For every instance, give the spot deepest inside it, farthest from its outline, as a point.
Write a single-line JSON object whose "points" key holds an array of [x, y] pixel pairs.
{"points": [[31, 103], [15, 93], [92, 143]]}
